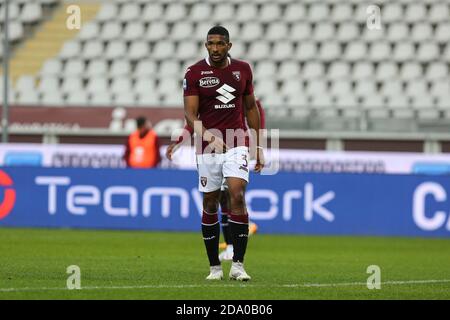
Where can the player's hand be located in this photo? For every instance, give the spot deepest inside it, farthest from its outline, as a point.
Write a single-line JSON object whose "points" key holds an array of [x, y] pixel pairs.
{"points": [[170, 150], [259, 160]]}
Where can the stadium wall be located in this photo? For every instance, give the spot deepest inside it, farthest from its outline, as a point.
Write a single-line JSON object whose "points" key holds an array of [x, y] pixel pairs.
{"points": [[319, 204]]}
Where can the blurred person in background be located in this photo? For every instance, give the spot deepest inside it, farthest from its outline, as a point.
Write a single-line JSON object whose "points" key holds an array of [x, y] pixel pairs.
{"points": [[142, 147]]}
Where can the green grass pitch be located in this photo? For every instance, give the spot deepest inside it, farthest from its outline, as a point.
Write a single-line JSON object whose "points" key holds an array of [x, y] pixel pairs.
{"points": [[173, 265]]}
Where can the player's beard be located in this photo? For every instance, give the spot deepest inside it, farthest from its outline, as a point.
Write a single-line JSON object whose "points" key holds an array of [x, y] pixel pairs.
{"points": [[219, 59]]}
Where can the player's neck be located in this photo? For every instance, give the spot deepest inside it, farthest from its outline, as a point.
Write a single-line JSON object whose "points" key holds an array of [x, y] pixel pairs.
{"points": [[221, 65]]}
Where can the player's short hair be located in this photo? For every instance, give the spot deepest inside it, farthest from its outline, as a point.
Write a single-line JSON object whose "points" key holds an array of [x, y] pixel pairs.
{"points": [[220, 31], [140, 121]]}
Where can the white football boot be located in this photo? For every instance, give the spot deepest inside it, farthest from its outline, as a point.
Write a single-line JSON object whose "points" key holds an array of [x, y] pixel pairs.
{"points": [[215, 273], [227, 254], [237, 272]]}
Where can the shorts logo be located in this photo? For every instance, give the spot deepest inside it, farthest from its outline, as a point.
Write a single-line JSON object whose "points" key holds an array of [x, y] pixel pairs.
{"points": [[209, 82], [203, 181], [9, 197], [237, 75]]}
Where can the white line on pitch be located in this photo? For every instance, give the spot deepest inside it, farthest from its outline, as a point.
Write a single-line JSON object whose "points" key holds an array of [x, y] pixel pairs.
{"points": [[187, 286]]}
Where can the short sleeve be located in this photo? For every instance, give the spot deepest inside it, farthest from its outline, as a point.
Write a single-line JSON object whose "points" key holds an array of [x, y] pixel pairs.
{"points": [[190, 85], [249, 81]]}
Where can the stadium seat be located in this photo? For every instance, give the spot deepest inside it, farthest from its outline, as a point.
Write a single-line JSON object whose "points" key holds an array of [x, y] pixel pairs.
{"points": [[258, 51], [145, 68], [276, 31], [410, 71], [329, 51], [223, 12], [246, 12], [72, 85], [442, 32], [120, 68], [300, 31], [391, 12], [347, 31], [152, 12], [77, 98], [427, 52], [265, 69], [342, 12], [163, 49], [138, 50], [363, 70], [437, 70], [52, 98], [175, 12], [30, 98], [338, 70], [294, 12], [324, 31], [417, 88], [306, 51], [421, 32], [134, 31], [269, 12], [391, 88], [89, 31], [110, 30], [439, 12], [92, 50], [251, 31], [148, 99], [200, 12], [415, 12], [108, 12], [292, 88], [318, 12], [115, 49], [182, 30], [341, 88], [49, 84], [101, 99], [31, 13], [380, 51], [129, 12], [157, 30], [312, 70], [403, 51], [398, 31], [51, 67], [282, 50], [70, 50], [97, 85], [289, 69], [355, 51]]}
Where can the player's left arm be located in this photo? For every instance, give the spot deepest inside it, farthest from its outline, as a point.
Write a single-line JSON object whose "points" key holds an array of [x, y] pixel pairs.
{"points": [[254, 123]]}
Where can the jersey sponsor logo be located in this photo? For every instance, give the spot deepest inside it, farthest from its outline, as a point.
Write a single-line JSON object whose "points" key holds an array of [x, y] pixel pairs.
{"points": [[225, 94], [206, 72], [209, 82], [237, 75]]}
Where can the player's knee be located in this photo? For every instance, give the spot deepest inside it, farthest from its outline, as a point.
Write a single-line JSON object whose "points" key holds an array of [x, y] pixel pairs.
{"points": [[237, 198], [210, 206]]}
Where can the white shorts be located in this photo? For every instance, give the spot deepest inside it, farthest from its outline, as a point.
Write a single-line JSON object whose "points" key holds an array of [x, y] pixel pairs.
{"points": [[214, 168]]}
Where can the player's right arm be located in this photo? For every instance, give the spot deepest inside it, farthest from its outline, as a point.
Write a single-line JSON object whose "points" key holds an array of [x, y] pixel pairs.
{"points": [[175, 145]]}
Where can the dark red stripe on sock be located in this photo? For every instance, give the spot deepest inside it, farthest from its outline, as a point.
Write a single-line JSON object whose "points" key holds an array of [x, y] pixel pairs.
{"points": [[209, 218], [241, 218]]}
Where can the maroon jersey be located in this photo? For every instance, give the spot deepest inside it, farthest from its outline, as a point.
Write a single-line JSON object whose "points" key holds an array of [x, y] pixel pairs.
{"points": [[220, 93]]}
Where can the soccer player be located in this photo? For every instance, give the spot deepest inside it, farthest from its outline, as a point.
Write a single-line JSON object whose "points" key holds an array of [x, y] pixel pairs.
{"points": [[224, 198], [216, 91]]}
